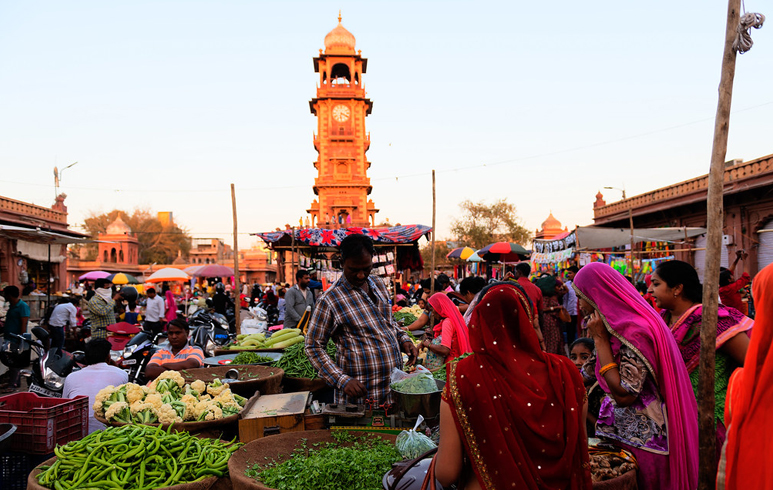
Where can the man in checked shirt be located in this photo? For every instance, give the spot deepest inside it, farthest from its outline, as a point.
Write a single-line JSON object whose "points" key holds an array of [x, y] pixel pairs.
{"points": [[355, 313]]}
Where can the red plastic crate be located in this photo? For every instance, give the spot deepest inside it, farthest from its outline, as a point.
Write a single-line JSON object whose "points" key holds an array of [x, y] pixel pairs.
{"points": [[42, 423]]}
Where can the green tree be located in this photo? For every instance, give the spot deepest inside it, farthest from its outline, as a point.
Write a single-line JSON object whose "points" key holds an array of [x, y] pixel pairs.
{"points": [[441, 250], [157, 243], [481, 224]]}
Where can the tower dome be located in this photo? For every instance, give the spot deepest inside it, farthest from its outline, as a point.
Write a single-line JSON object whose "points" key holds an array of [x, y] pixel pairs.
{"points": [[339, 40], [551, 223], [118, 227]]}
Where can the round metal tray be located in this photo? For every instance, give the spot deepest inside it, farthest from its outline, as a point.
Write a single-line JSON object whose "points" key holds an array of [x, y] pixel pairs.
{"points": [[221, 360]]}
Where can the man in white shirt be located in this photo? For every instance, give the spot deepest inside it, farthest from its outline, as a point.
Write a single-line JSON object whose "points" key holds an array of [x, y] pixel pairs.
{"points": [[63, 314], [154, 312], [95, 376]]}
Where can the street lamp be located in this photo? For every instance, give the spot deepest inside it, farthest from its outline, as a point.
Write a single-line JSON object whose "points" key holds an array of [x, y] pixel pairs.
{"points": [[630, 223], [617, 189], [58, 177]]}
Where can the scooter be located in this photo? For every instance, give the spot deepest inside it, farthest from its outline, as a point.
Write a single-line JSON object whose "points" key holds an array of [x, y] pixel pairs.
{"points": [[136, 355], [209, 331], [50, 368]]}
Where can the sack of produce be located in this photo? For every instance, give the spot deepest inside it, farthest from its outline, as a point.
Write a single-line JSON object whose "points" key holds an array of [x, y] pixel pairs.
{"points": [[413, 444], [418, 382]]}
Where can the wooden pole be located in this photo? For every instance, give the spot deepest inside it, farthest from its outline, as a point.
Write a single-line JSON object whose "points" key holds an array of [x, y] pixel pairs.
{"points": [[237, 287], [633, 242], [394, 277], [708, 463], [292, 257], [432, 271]]}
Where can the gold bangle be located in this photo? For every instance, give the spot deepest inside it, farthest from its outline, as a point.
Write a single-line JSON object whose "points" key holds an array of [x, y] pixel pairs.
{"points": [[608, 367]]}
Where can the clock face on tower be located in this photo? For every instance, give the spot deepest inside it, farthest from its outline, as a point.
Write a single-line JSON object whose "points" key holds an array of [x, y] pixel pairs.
{"points": [[340, 113]]}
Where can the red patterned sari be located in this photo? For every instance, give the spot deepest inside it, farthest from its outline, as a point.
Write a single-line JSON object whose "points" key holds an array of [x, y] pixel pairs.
{"points": [[518, 410]]}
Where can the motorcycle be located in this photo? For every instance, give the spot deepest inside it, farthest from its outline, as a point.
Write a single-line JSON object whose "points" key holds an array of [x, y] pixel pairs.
{"points": [[272, 313], [49, 369], [209, 331], [136, 355]]}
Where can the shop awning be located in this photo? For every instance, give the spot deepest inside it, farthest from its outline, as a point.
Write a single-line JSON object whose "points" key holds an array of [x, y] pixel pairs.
{"points": [[39, 235], [320, 237], [595, 238]]}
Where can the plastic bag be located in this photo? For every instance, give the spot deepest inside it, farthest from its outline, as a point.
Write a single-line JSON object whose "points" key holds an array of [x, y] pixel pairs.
{"points": [[413, 444], [418, 382]]}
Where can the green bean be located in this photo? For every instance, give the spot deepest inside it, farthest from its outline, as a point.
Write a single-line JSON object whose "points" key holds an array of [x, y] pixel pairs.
{"points": [[136, 458]]}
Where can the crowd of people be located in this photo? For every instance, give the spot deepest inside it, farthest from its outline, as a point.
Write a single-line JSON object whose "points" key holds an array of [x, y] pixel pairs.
{"points": [[555, 360]]}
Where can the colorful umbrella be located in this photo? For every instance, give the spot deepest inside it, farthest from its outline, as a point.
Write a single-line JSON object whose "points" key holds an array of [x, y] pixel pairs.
{"points": [[214, 270], [504, 252], [463, 253], [93, 276], [474, 258], [168, 274], [122, 278], [192, 269]]}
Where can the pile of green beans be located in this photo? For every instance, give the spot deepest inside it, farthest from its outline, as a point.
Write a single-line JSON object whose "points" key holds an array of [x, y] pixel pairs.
{"points": [[136, 457], [296, 364]]}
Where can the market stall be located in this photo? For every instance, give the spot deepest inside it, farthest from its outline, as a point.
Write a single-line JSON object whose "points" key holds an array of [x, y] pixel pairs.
{"points": [[396, 247], [632, 252]]}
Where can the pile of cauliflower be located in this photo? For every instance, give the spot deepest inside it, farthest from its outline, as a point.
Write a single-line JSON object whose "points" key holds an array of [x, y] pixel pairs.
{"points": [[166, 400]]}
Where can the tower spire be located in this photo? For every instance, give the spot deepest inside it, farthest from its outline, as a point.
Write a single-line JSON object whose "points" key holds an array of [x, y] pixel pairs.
{"points": [[339, 16]]}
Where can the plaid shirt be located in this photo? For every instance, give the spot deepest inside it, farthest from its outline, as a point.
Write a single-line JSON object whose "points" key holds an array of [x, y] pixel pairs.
{"points": [[367, 339], [102, 314]]}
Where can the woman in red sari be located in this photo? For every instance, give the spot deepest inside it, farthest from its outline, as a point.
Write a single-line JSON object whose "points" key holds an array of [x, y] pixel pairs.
{"points": [[749, 409], [511, 413], [451, 336]]}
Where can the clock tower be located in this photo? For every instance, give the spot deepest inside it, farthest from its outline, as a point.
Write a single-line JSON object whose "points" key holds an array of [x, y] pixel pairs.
{"points": [[342, 182]]}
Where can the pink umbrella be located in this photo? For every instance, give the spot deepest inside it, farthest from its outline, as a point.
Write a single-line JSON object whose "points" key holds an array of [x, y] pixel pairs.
{"points": [[93, 276], [214, 270]]}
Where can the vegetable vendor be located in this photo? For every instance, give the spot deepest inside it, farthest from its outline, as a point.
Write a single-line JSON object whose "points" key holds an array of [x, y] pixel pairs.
{"points": [[355, 313], [181, 356]]}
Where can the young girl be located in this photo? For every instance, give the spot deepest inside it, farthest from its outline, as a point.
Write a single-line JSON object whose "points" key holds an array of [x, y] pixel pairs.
{"points": [[580, 352]]}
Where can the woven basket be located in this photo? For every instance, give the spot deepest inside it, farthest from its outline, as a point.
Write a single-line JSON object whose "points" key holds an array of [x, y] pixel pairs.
{"points": [[252, 378], [196, 427], [277, 448]]}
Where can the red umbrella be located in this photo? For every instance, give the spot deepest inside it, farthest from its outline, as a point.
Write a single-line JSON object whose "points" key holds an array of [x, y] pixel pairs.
{"points": [[504, 252]]}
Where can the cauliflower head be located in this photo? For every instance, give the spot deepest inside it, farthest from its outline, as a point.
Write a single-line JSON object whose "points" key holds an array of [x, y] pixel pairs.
{"points": [[199, 386], [115, 409], [103, 396], [155, 400], [173, 375], [216, 387], [140, 405], [190, 406], [207, 410], [168, 415], [134, 392]]}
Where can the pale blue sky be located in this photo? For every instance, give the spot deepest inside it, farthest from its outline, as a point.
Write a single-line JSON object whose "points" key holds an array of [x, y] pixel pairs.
{"points": [[165, 103]]}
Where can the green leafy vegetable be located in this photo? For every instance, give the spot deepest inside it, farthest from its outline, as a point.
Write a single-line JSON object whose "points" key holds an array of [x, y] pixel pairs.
{"points": [[416, 384], [352, 462], [250, 358]]}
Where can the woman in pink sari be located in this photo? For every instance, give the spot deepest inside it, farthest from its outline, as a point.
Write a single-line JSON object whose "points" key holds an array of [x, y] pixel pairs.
{"points": [[649, 408], [171, 307], [454, 337]]}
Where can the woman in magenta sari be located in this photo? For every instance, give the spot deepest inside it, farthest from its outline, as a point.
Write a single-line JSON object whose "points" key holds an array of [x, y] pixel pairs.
{"points": [[454, 340], [678, 291], [171, 307], [648, 409]]}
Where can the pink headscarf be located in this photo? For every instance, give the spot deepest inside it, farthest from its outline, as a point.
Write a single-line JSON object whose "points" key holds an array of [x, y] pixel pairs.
{"points": [[447, 309], [171, 307], [630, 320]]}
